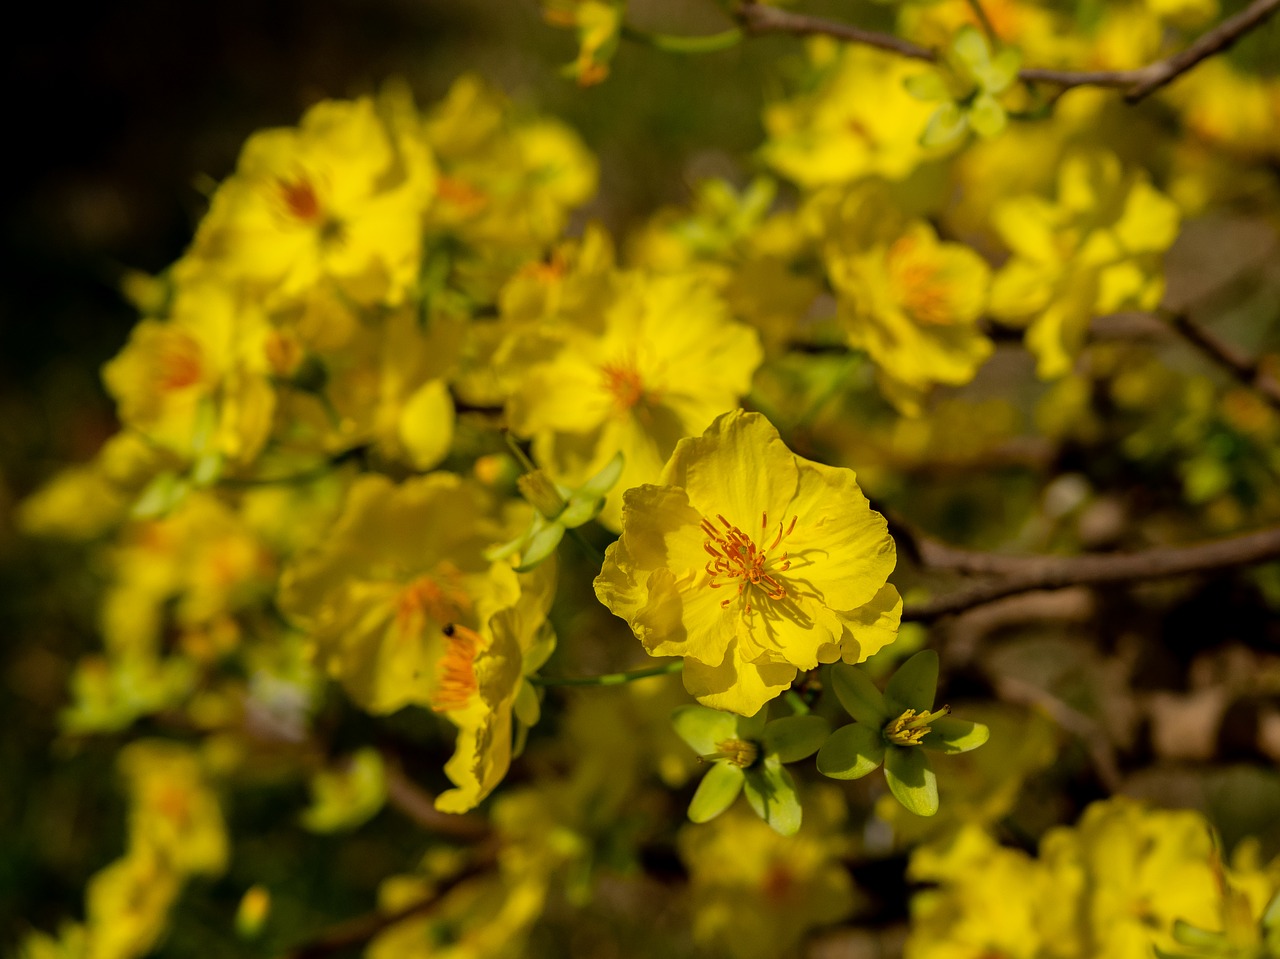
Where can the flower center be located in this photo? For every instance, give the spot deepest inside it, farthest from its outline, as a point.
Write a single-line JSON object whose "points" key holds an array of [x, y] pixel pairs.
{"points": [[439, 598], [737, 752], [778, 882], [300, 199], [911, 727], [921, 288], [735, 556], [457, 671], [622, 381], [177, 362]]}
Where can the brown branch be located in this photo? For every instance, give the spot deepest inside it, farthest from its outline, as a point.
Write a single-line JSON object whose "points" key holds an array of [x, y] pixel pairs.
{"points": [[361, 929], [419, 805], [1243, 367], [1023, 574], [1138, 83], [757, 18]]}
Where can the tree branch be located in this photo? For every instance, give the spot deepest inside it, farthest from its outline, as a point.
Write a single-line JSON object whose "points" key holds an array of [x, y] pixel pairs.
{"points": [[1023, 574], [361, 929], [1138, 84], [1244, 368]]}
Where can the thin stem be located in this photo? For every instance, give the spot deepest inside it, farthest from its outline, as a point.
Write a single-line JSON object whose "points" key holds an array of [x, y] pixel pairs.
{"points": [[980, 12], [587, 546], [609, 679], [1138, 84], [1244, 368], [670, 43], [1023, 574]]}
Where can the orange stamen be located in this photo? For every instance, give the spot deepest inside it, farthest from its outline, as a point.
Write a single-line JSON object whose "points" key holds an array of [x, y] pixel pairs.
{"points": [[735, 556], [300, 199], [457, 669]]}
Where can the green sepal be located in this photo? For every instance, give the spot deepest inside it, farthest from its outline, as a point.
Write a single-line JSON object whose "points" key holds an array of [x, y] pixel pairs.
{"points": [[599, 485], [716, 793], [947, 125], [793, 738], [528, 708], [986, 116], [911, 779], [928, 86], [159, 496], [701, 727], [1272, 916], [859, 695], [1188, 935], [914, 685], [772, 794], [1004, 70], [544, 644], [541, 545], [580, 511], [951, 736], [851, 752], [970, 48]]}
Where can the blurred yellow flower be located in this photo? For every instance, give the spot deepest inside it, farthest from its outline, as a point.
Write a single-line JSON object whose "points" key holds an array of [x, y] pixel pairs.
{"points": [[752, 564], [907, 299], [1096, 250], [173, 811], [340, 198], [668, 360]]}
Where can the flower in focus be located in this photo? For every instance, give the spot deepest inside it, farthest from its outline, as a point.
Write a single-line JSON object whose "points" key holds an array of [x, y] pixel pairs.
{"points": [[894, 729], [752, 564]]}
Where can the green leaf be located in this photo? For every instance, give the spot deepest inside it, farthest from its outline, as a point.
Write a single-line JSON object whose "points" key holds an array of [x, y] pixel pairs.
{"points": [[1004, 69], [911, 779], [986, 116], [851, 752], [528, 709], [600, 484], [859, 695], [580, 511], [772, 794], [927, 86], [914, 685], [793, 738], [541, 545], [716, 793], [952, 736], [1188, 935], [971, 49], [947, 125], [752, 727], [702, 727]]}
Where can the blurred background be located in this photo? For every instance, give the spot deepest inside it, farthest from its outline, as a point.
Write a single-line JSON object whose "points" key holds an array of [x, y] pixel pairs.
{"points": [[120, 111]]}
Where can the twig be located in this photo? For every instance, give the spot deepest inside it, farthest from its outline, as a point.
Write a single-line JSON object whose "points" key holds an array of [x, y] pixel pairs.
{"points": [[419, 806], [1244, 368], [361, 929], [757, 18], [1137, 84], [1023, 574]]}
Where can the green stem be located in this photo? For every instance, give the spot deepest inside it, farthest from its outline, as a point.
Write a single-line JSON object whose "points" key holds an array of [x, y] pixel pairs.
{"points": [[669, 43], [609, 679], [798, 706], [587, 546], [984, 20]]}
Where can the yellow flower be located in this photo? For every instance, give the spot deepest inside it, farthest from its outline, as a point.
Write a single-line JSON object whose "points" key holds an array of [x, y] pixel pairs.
{"points": [[908, 300], [752, 564], [173, 811], [341, 198], [400, 564], [127, 905], [197, 384], [1096, 250], [482, 677], [755, 893], [668, 360], [859, 121]]}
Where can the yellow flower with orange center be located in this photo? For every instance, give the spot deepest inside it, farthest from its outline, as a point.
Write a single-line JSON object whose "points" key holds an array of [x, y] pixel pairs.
{"points": [[752, 564], [667, 361], [911, 301]]}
